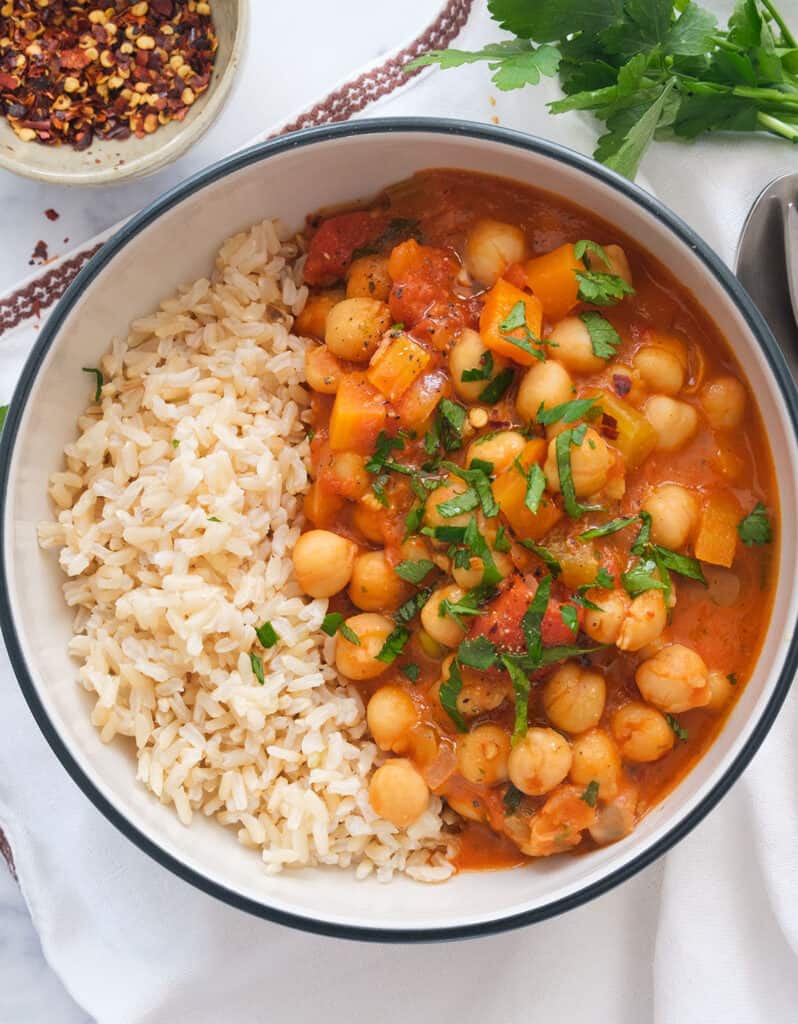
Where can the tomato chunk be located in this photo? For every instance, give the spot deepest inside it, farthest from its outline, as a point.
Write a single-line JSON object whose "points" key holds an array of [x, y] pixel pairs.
{"points": [[422, 295], [501, 619], [333, 245]]}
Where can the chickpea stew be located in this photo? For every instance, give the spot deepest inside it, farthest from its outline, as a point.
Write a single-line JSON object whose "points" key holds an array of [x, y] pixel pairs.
{"points": [[543, 508]]}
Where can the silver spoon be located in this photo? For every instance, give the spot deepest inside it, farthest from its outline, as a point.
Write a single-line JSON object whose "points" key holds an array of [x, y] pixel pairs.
{"points": [[767, 261]]}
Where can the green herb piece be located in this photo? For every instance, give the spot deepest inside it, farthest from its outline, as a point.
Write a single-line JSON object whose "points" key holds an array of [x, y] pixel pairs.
{"points": [[459, 504], [681, 733], [478, 476], [516, 321], [642, 577], [512, 799], [562, 447], [381, 458], [601, 289], [544, 555], [481, 372], [479, 548], [535, 484], [449, 692], [378, 487], [478, 653], [584, 246], [514, 62], [533, 617], [267, 634], [590, 795], [684, 565], [411, 671], [604, 339], [432, 439], [570, 617], [521, 685], [311, 435], [414, 571], [394, 644], [175, 443], [732, 677], [409, 610], [214, 519], [331, 623], [349, 634], [451, 418], [755, 528], [568, 412], [495, 390], [467, 605], [257, 667], [613, 526], [643, 538], [447, 534], [502, 541], [413, 520], [399, 229], [98, 380]]}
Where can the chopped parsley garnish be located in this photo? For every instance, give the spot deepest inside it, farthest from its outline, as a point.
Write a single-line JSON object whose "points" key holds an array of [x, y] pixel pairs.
{"points": [[413, 520], [469, 604], [520, 683], [604, 339], [451, 418], [755, 528], [568, 412], [447, 534], [613, 526], [535, 484], [478, 476], [432, 439], [516, 321], [562, 446], [681, 733], [512, 799], [414, 572], [544, 555], [349, 634], [214, 519], [460, 503], [98, 380], [570, 617], [334, 623], [684, 565], [394, 645], [409, 610], [495, 390], [641, 577], [479, 548], [478, 653], [584, 246], [175, 443], [449, 692], [267, 634], [643, 539], [411, 671], [533, 617], [590, 795], [601, 289], [481, 372], [502, 541], [381, 461], [257, 667]]}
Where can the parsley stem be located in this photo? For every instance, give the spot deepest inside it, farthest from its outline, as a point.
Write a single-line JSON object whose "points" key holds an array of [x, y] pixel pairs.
{"points": [[777, 127], [766, 95], [787, 36]]}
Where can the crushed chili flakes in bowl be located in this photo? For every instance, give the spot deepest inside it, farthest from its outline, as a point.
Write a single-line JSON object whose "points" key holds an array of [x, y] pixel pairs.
{"points": [[73, 70]]}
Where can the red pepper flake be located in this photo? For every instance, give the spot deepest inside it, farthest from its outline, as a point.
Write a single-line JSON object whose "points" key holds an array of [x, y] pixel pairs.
{"points": [[609, 426], [52, 214], [40, 253], [622, 384]]}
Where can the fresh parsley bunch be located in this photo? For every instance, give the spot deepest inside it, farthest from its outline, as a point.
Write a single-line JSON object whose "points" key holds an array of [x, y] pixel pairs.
{"points": [[648, 68]]}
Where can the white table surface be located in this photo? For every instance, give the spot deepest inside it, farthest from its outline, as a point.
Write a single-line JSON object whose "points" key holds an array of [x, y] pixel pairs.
{"points": [[331, 41]]}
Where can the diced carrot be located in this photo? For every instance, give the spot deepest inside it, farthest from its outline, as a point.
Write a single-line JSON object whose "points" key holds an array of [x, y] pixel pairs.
{"points": [[419, 402], [552, 278], [716, 540], [358, 416], [499, 303], [322, 505], [509, 490], [394, 368], [624, 427]]}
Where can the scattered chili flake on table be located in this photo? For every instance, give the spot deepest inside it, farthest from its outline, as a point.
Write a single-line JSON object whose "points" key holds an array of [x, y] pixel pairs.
{"points": [[52, 214], [73, 70], [40, 253]]}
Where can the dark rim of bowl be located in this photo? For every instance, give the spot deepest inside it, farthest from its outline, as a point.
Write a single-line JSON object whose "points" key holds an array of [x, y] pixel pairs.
{"points": [[255, 154]]}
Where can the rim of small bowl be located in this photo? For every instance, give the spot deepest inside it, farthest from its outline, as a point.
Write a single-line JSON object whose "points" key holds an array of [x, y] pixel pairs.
{"points": [[760, 332], [191, 131]]}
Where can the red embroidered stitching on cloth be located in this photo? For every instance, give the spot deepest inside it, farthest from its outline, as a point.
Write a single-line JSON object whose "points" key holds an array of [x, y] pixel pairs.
{"points": [[340, 105]]}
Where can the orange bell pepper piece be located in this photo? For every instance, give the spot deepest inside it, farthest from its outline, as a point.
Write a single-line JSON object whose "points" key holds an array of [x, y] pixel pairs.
{"points": [[394, 368], [716, 540], [552, 278], [500, 301], [509, 490]]}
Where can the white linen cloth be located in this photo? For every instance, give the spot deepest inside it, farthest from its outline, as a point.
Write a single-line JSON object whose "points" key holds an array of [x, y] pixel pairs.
{"points": [[709, 933]]}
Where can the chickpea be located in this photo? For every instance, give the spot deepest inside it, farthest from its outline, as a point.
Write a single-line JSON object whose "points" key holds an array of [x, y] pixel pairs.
{"points": [[472, 576], [645, 620], [432, 517], [723, 402], [414, 549], [539, 762], [660, 369], [368, 517], [547, 384], [442, 628], [391, 714], [398, 792], [590, 464], [481, 695], [490, 249], [359, 661], [596, 758], [470, 808], [674, 512], [720, 689], [368, 278], [323, 370], [675, 422], [347, 475], [616, 818], [375, 586], [470, 353], [500, 449], [482, 754], [675, 679], [575, 349], [604, 626], [618, 263], [641, 732], [323, 562], [574, 698], [355, 328]]}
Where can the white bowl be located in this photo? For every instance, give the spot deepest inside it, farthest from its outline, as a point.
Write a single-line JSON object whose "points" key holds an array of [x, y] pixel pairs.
{"points": [[109, 161], [174, 241]]}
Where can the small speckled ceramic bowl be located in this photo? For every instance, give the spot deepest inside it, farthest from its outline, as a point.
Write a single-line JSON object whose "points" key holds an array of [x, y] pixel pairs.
{"points": [[112, 161]]}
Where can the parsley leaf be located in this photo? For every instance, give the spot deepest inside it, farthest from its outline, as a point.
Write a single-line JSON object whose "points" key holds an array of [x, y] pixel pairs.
{"points": [[568, 412], [681, 732], [457, 505], [512, 799], [502, 541], [411, 671], [267, 634], [478, 653], [478, 476], [562, 448], [604, 339], [516, 321], [514, 62], [570, 617], [481, 372], [544, 555], [409, 610], [590, 795], [349, 634], [584, 246], [641, 577], [521, 686], [414, 571], [257, 667], [98, 380], [613, 526], [684, 565], [449, 692], [755, 528], [601, 289], [533, 618], [643, 538], [394, 645], [451, 418], [413, 520], [495, 390], [331, 623]]}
